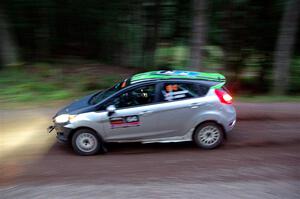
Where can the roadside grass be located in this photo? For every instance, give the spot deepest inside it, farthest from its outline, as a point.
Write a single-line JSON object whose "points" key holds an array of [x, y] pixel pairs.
{"points": [[30, 87]]}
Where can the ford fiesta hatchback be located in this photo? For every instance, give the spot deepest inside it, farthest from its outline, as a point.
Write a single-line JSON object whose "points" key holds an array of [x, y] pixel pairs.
{"points": [[156, 106]]}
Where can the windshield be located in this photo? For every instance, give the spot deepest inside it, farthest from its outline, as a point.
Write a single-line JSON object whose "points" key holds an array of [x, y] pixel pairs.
{"points": [[106, 93]]}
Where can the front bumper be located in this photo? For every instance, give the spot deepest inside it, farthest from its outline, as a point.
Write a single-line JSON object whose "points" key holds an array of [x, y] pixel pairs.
{"points": [[62, 133]]}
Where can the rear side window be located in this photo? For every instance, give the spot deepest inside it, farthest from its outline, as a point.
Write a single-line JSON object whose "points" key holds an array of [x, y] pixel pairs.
{"points": [[201, 89], [179, 91]]}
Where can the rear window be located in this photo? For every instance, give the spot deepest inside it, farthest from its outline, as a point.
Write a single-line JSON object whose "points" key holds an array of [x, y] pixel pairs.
{"points": [[178, 91]]}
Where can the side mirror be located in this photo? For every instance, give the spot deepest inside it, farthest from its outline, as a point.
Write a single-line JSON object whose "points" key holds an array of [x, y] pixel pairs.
{"points": [[111, 109]]}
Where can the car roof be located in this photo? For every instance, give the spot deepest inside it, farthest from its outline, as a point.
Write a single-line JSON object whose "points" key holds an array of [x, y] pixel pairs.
{"points": [[176, 75]]}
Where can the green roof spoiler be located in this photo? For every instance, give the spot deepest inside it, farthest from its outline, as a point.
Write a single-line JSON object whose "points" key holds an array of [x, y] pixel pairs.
{"points": [[218, 86], [178, 74]]}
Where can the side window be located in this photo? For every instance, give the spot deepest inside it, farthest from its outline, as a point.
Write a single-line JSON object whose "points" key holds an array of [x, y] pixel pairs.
{"points": [[201, 89], [179, 91], [137, 97]]}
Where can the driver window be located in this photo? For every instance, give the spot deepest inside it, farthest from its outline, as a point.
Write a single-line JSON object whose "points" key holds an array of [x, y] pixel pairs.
{"points": [[137, 97]]}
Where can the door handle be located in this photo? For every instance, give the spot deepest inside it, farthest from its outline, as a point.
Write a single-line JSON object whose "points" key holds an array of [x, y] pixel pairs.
{"points": [[145, 112], [195, 105]]}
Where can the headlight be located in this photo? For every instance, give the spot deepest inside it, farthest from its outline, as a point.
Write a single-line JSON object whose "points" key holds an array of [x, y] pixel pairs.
{"points": [[64, 118]]}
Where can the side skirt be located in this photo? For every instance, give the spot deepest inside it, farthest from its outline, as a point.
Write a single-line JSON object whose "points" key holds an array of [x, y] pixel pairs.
{"points": [[187, 137]]}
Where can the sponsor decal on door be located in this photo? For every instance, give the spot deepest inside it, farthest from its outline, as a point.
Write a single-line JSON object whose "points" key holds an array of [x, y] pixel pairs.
{"points": [[126, 121]]}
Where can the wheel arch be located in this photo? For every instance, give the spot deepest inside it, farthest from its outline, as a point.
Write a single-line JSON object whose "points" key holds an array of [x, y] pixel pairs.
{"points": [[213, 121], [71, 134]]}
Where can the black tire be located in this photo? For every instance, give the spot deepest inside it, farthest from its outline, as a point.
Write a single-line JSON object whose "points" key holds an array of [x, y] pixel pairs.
{"points": [[86, 142], [208, 135]]}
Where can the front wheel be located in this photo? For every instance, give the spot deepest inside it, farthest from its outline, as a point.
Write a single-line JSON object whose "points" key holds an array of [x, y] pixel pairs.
{"points": [[209, 135], [86, 142]]}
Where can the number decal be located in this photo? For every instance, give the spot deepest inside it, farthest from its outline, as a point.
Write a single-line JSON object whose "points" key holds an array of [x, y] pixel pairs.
{"points": [[178, 73]]}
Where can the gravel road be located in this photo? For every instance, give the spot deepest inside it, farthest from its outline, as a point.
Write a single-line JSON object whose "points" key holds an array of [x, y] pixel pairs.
{"points": [[260, 159]]}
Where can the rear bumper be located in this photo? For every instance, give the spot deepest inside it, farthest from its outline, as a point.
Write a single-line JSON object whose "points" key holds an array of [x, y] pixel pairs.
{"points": [[231, 125], [229, 120]]}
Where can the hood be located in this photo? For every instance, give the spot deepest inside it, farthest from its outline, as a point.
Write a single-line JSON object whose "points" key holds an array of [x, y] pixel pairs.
{"points": [[78, 106]]}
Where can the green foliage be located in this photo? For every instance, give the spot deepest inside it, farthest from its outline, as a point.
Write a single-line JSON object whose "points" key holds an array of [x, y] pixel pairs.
{"points": [[93, 84], [295, 76], [175, 57], [214, 58]]}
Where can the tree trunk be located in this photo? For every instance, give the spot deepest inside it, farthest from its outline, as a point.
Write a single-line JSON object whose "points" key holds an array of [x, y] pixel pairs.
{"points": [[42, 35], [152, 19], [198, 35], [8, 50], [284, 47], [134, 37]]}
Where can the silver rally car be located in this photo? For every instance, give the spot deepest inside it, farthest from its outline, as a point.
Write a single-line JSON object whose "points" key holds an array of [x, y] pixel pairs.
{"points": [[156, 106]]}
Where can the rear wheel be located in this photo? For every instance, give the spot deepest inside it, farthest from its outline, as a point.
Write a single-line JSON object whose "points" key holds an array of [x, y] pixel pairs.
{"points": [[86, 142], [209, 135]]}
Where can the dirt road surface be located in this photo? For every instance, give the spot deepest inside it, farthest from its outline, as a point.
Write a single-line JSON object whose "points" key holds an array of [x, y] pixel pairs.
{"points": [[259, 160]]}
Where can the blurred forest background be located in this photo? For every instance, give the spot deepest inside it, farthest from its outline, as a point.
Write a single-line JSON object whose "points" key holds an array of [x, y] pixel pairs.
{"points": [[55, 50]]}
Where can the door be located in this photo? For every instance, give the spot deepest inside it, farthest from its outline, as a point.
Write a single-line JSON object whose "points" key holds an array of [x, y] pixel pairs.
{"points": [[181, 106], [135, 117]]}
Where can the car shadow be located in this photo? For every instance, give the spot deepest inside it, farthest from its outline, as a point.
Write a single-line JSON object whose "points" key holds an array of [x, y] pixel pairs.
{"points": [[128, 148], [140, 148]]}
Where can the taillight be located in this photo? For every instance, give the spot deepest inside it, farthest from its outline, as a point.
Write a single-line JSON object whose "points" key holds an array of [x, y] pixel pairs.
{"points": [[223, 96]]}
